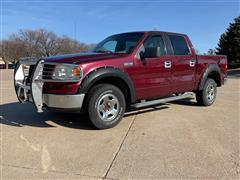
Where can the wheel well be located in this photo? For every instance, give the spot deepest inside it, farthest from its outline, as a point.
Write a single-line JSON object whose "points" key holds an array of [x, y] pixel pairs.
{"points": [[118, 82], [215, 76]]}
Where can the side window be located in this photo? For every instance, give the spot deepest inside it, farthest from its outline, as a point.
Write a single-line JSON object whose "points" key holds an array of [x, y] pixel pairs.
{"points": [[130, 45], [125, 46], [156, 43], [110, 46], [179, 45]]}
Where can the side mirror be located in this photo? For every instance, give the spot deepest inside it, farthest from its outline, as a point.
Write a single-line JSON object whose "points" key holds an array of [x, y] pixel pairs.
{"points": [[148, 53], [142, 55]]}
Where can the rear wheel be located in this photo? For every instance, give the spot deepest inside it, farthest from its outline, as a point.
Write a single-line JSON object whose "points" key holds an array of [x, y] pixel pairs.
{"points": [[106, 106], [207, 95]]}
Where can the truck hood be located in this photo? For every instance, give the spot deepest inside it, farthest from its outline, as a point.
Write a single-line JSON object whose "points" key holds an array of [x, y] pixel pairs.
{"points": [[79, 58]]}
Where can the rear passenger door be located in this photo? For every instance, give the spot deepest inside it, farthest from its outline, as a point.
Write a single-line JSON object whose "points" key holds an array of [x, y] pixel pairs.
{"points": [[183, 64]]}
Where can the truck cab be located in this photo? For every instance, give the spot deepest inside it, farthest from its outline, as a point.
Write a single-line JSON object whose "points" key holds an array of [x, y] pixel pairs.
{"points": [[165, 64]]}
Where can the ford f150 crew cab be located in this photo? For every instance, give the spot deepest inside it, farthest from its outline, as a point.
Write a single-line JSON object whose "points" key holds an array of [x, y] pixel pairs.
{"points": [[135, 69]]}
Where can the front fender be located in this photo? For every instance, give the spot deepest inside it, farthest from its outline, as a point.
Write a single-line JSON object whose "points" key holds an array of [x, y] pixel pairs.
{"points": [[91, 78]]}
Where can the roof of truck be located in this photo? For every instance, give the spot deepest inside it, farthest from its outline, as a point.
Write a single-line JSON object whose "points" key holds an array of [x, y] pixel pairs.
{"points": [[150, 32]]}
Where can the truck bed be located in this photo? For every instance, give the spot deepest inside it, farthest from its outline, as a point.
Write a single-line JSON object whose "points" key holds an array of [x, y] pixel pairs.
{"points": [[221, 60]]}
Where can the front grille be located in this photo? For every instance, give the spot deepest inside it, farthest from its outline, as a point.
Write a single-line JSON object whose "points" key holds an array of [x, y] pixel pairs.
{"points": [[48, 71]]}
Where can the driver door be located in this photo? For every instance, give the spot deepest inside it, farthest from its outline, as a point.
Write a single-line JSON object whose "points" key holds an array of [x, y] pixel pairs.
{"points": [[153, 74]]}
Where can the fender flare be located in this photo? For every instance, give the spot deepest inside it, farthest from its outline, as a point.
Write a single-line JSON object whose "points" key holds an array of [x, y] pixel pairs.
{"points": [[210, 69], [92, 77]]}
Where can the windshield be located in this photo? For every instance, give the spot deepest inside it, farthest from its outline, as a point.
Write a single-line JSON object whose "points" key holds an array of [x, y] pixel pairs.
{"points": [[121, 43]]}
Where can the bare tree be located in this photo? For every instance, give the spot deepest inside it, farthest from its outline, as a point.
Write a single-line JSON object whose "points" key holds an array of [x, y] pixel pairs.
{"points": [[29, 39], [48, 43], [38, 43], [67, 45], [10, 51]]}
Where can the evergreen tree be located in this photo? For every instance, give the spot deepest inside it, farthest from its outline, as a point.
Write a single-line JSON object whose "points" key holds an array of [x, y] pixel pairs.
{"points": [[229, 43]]}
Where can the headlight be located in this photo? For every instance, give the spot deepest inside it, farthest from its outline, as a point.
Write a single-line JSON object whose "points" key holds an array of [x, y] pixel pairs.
{"points": [[67, 72]]}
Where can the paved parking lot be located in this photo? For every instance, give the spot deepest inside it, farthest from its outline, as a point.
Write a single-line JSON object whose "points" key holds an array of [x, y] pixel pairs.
{"points": [[174, 140]]}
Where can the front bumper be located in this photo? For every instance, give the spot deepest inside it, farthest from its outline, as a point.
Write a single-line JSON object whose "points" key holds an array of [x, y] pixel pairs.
{"points": [[63, 101], [29, 88]]}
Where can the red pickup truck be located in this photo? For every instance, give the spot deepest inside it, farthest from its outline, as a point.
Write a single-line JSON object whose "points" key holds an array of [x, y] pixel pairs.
{"points": [[134, 69]]}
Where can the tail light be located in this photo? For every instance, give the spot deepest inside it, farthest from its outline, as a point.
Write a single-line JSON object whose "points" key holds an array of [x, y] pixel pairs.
{"points": [[223, 65]]}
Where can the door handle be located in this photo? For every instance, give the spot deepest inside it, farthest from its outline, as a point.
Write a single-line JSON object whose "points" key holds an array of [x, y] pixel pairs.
{"points": [[167, 64], [192, 63]]}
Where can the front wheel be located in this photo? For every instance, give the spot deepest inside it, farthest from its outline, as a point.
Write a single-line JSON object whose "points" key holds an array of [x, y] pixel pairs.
{"points": [[106, 106], [207, 95]]}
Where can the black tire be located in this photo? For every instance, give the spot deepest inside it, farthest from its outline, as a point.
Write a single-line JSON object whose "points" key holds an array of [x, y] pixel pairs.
{"points": [[103, 96], [204, 97]]}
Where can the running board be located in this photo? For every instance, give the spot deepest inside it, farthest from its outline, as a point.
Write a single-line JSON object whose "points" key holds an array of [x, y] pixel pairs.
{"points": [[163, 100]]}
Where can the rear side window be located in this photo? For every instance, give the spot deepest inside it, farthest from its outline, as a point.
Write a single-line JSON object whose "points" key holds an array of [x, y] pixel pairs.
{"points": [[179, 45]]}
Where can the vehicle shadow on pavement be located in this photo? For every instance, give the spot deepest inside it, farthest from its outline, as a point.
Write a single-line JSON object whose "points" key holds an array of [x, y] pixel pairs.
{"points": [[134, 112], [234, 73], [186, 102], [19, 115]]}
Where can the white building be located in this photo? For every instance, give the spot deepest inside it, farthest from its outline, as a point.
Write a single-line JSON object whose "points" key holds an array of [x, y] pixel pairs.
{"points": [[1, 61], [3, 64]]}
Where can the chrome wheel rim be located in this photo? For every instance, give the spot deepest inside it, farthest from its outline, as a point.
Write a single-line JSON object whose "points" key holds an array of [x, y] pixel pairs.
{"points": [[108, 107], [210, 93]]}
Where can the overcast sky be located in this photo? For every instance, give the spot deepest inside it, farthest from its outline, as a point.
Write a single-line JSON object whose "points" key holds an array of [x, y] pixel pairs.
{"points": [[91, 21]]}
